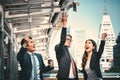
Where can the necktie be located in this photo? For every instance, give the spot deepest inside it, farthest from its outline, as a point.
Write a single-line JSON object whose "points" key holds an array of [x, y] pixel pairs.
{"points": [[34, 67], [73, 66]]}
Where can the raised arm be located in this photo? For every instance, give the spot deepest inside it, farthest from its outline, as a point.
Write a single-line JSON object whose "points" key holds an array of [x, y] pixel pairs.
{"points": [[64, 28], [103, 37], [43, 67], [101, 47]]}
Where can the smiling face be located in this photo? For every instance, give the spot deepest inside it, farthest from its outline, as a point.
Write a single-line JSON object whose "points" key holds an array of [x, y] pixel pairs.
{"points": [[89, 47], [31, 46]]}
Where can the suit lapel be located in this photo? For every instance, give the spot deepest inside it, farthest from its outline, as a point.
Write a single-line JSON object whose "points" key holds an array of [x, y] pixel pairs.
{"points": [[39, 60]]}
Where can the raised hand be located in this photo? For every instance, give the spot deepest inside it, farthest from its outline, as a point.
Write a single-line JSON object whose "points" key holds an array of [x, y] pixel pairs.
{"points": [[104, 35], [27, 39], [64, 19]]}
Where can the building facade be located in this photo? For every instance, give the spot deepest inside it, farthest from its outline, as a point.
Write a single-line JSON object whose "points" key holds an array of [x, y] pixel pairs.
{"points": [[106, 27], [77, 47]]}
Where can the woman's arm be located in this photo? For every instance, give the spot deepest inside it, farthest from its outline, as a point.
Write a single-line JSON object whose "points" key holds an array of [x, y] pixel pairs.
{"points": [[102, 44]]}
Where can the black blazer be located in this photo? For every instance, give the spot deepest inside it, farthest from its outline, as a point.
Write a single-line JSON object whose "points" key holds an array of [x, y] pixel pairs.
{"points": [[26, 65], [95, 62], [63, 57]]}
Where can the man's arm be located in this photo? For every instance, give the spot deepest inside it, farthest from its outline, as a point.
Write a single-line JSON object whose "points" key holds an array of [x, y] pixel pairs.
{"points": [[44, 68], [64, 28], [20, 55], [58, 48]]}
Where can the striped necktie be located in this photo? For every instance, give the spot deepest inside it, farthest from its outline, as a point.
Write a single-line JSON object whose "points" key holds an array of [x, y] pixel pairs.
{"points": [[34, 67]]}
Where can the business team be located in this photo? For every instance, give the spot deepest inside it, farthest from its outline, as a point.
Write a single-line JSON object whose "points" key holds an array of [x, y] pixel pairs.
{"points": [[32, 64]]}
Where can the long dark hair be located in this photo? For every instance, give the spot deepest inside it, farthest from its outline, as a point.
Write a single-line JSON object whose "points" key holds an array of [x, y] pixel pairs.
{"points": [[85, 55]]}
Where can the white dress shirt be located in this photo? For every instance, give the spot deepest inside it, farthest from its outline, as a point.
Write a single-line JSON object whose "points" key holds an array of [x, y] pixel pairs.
{"points": [[37, 66]]}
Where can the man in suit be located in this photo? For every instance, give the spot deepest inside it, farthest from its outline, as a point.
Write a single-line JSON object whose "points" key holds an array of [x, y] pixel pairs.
{"points": [[67, 67], [32, 65]]}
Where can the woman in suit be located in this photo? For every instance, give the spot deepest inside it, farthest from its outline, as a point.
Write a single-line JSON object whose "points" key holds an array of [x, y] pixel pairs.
{"points": [[91, 59]]}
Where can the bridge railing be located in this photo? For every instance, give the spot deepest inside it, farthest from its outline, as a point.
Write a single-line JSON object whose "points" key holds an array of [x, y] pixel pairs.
{"points": [[106, 76]]}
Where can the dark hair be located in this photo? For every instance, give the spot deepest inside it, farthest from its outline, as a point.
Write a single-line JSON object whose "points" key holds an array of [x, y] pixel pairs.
{"points": [[23, 40], [69, 35], [85, 55]]}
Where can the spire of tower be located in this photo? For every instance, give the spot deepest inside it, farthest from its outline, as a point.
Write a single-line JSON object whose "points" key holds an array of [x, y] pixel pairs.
{"points": [[106, 27], [105, 8]]}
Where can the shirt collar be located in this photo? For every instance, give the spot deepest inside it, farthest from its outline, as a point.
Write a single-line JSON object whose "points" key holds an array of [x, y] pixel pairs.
{"points": [[29, 53]]}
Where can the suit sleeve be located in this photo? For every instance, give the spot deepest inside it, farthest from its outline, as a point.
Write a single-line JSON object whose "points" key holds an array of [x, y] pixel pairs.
{"points": [[20, 55], [58, 48], [101, 49], [63, 37], [44, 68]]}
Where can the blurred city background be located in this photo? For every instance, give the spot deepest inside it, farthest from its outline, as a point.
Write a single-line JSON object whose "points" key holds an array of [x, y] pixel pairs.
{"points": [[41, 20]]}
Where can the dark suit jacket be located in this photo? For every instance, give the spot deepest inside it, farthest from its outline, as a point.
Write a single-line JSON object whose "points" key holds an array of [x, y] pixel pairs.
{"points": [[95, 61], [63, 57], [26, 65]]}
